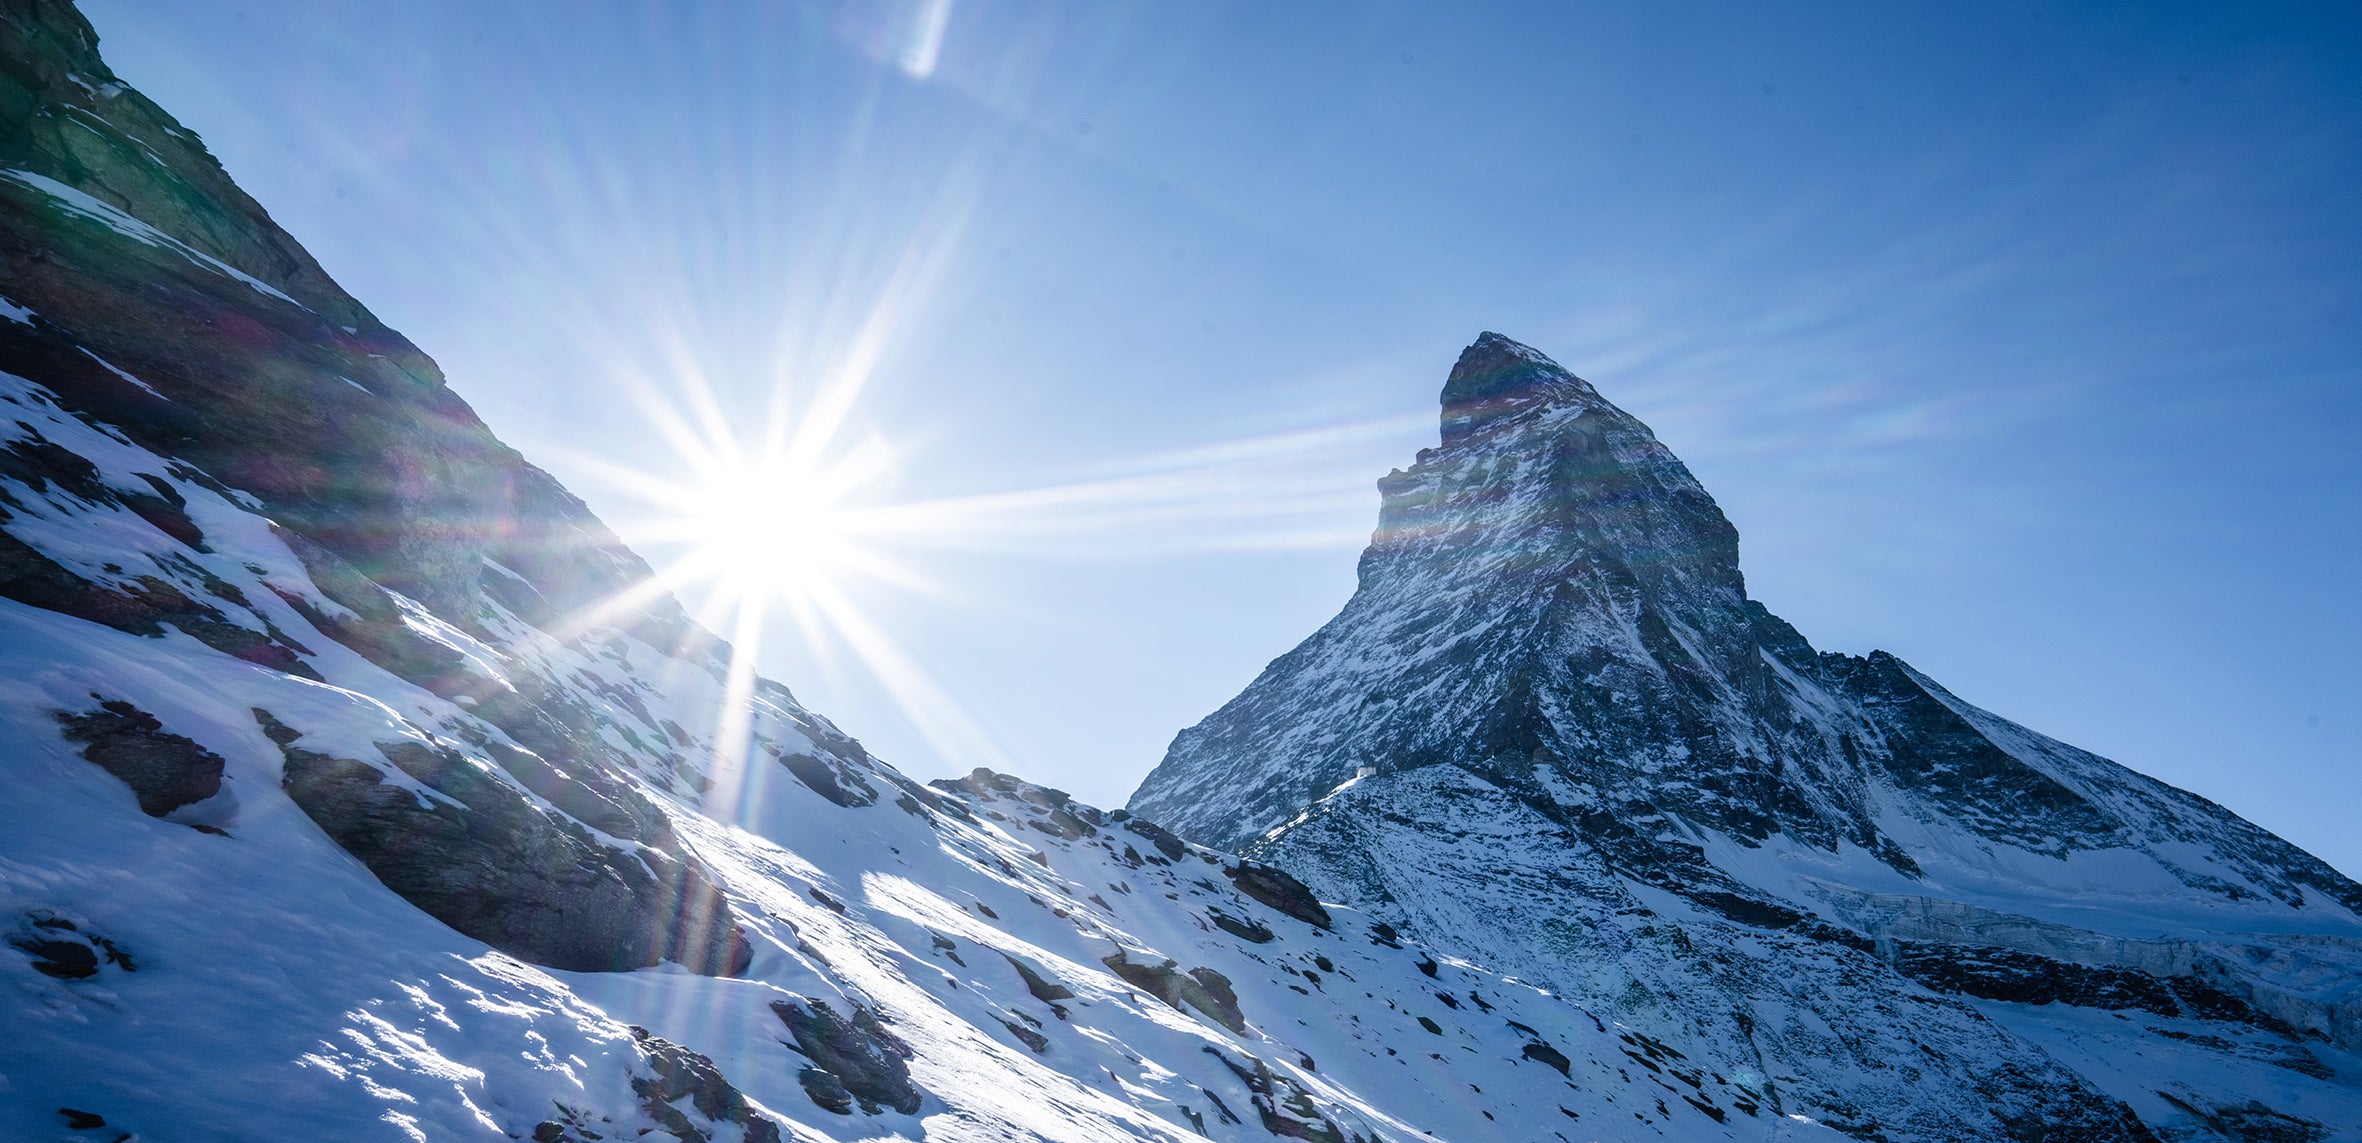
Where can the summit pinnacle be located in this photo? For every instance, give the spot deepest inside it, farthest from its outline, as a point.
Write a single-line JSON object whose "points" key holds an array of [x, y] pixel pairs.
{"points": [[1496, 376]]}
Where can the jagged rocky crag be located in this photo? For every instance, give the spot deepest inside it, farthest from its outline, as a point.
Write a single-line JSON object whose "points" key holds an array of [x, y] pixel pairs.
{"points": [[359, 787], [1551, 728]]}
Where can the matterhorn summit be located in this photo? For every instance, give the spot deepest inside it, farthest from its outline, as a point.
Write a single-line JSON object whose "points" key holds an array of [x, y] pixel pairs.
{"points": [[1551, 725]]}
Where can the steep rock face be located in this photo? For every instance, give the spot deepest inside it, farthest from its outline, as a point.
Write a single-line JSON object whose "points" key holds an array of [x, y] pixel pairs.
{"points": [[207, 439], [169, 304], [1551, 725]]}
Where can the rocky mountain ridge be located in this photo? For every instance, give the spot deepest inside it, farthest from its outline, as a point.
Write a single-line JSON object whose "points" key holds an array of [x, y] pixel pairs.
{"points": [[1551, 724]]}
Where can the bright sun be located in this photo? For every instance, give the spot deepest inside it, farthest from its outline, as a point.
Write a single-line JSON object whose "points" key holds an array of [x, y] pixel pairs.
{"points": [[788, 521], [766, 526], [752, 528], [790, 528]]}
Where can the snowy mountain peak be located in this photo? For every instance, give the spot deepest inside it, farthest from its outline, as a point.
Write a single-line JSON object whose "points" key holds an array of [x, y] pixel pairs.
{"points": [[1550, 708], [1496, 376], [1538, 471]]}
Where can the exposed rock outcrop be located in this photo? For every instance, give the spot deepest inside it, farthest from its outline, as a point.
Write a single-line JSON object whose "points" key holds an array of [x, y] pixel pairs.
{"points": [[65, 950], [679, 1074], [473, 851], [165, 771], [854, 1059], [1274, 887], [1203, 989]]}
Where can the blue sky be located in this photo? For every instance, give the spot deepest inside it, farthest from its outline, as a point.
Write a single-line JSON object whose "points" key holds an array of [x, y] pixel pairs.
{"points": [[2020, 340]]}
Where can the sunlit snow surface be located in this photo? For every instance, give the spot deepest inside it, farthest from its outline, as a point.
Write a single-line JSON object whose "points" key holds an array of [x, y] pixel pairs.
{"points": [[269, 987]]}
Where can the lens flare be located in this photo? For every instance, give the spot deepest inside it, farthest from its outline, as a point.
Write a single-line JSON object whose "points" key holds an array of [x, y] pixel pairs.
{"points": [[791, 521]]}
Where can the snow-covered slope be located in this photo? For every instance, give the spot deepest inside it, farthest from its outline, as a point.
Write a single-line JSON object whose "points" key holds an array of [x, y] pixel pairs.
{"points": [[985, 961], [1551, 727], [357, 787]]}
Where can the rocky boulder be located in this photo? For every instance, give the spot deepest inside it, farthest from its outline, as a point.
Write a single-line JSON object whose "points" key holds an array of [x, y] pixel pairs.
{"points": [[1276, 888], [857, 1057], [475, 853], [165, 771]]}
